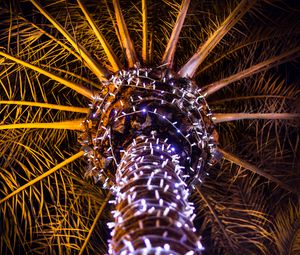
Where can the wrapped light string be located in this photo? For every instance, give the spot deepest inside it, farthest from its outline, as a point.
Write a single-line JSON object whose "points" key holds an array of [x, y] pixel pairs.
{"points": [[152, 202], [148, 138]]}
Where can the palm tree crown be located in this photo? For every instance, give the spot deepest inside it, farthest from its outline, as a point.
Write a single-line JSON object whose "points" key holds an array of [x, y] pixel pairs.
{"points": [[63, 66]]}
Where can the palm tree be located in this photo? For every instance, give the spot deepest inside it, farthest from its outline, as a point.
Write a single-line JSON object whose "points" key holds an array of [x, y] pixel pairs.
{"points": [[168, 105]]}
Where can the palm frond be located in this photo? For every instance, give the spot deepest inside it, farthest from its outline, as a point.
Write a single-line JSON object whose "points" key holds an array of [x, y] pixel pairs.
{"points": [[41, 177], [189, 69], [127, 43], [78, 88], [286, 56], [287, 229], [168, 56], [98, 70], [72, 125], [221, 117], [116, 65]]}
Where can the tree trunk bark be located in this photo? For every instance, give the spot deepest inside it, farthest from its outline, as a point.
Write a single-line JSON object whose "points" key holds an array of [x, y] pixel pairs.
{"points": [[153, 215]]}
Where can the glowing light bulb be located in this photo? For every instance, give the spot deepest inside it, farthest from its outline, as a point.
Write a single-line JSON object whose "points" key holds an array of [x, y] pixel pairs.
{"points": [[167, 246]]}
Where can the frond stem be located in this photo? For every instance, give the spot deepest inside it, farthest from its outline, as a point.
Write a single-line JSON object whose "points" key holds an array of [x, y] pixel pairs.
{"points": [[103, 205], [145, 32], [114, 61], [49, 106], [101, 72], [215, 86], [94, 84], [127, 43], [236, 160], [70, 125], [214, 213], [171, 47], [63, 45], [224, 117], [42, 176], [190, 68], [224, 100], [77, 87]]}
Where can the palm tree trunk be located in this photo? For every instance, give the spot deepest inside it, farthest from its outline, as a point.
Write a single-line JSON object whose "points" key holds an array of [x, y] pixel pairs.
{"points": [[149, 139], [153, 215]]}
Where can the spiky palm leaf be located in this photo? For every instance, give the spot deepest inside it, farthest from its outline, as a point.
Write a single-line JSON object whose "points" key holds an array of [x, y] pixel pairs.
{"points": [[55, 54]]}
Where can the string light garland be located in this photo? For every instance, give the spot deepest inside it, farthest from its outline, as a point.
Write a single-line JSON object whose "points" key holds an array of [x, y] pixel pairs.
{"points": [[148, 137]]}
